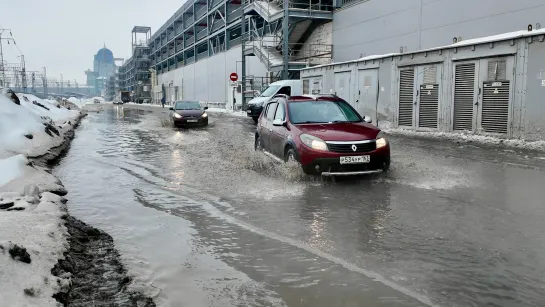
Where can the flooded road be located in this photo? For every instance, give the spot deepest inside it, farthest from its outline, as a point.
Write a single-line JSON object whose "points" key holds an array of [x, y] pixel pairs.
{"points": [[201, 219]]}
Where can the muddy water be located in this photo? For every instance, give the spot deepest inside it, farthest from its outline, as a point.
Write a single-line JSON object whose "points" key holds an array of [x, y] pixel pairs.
{"points": [[202, 220]]}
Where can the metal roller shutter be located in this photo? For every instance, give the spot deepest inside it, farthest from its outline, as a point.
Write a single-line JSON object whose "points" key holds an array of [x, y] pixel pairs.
{"points": [[406, 97], [429, 106], [495, 108], [464, 94]]}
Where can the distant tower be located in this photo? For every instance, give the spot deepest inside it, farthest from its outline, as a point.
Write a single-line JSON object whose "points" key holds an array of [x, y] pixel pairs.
{"points": [[103, 68]]}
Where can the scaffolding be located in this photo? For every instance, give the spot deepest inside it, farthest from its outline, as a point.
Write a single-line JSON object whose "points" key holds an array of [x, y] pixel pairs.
{"points": [[134, 74]]}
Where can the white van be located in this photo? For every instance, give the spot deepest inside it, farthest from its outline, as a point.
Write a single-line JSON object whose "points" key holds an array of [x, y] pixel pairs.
{"points": [[286, 87]]}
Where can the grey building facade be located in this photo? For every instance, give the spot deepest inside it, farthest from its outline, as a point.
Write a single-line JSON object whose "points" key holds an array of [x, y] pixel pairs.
{"points": [[362, 28]]}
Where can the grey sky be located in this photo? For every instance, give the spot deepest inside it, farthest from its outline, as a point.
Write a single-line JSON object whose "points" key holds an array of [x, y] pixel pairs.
{"points": [[64, 35]]}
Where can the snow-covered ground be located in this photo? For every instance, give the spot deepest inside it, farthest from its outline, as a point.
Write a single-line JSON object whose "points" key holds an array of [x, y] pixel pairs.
{"points": [[32, 237], [230, 112], [31, 128], [468, 137], [81, 102]]}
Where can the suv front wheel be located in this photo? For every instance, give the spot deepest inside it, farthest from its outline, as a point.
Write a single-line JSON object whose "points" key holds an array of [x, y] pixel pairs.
{"points": [[290, 155]]}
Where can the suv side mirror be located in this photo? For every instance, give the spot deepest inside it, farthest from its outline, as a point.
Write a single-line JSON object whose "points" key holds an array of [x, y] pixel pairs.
{"points": [[206, 108], [171, 108], [278, 122], [367, 119]]}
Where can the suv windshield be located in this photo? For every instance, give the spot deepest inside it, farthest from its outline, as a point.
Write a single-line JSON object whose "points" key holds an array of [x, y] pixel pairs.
{"points": [[270, 91], [322, 112], [187, 105]]}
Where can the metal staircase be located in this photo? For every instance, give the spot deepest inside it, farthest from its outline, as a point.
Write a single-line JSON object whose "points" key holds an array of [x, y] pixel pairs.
{"points": [[265, 29], [265, 25]]}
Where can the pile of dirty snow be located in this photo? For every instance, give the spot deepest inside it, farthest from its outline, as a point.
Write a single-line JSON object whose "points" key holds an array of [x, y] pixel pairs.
{"points": [[470, 137], [32, 235], [33, 126]]}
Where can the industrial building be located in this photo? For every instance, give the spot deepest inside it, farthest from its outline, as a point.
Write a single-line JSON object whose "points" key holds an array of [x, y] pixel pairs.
{"points": [[194, 53], [197, 49], [134, 75]]}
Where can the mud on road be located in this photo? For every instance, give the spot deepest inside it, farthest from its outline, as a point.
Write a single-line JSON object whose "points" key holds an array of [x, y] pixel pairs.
{"points": [[98, 278]]}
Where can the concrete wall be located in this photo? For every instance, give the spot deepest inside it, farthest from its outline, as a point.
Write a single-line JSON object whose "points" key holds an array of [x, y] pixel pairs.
{"points": [[383, 26], [525, 70], [208, 79], [323, 35]]}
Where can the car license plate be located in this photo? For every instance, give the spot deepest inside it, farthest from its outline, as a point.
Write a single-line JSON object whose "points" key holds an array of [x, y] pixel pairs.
{"points": [[248, 111], [192, 120], [355, 159]]}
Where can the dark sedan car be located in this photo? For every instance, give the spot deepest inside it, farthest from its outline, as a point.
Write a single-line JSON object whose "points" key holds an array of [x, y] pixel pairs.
{"points": [[189, 113]]}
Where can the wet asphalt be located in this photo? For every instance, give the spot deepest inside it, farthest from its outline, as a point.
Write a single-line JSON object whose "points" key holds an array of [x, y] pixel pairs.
{"points": [[200, 219]]}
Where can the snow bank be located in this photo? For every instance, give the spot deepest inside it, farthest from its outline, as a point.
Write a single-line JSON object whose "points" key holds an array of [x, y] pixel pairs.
{"points": [[230, 112], [12, 168], [32, 237], [31, 128], [469, 137]]}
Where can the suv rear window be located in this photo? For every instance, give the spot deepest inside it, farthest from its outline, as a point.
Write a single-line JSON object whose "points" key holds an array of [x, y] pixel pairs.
{"points": [[322, 111]]}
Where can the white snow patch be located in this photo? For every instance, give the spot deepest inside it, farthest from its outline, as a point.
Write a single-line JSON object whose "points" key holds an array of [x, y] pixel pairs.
{"points": [[230, 112], [469, 137], [38, 229], [28, 118], [11, 168]]}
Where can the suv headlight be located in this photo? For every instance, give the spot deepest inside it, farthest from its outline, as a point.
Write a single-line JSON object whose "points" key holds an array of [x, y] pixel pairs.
{"points": [[204, 115], [177, 115], [381, 140], [313, 142]]}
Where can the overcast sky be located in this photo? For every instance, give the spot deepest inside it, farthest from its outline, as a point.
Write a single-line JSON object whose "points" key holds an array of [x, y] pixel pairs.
{"points": [[64, 35]]}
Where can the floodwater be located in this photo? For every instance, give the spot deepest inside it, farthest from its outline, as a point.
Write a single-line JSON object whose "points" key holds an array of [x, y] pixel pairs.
{"points": [[201, 219]]}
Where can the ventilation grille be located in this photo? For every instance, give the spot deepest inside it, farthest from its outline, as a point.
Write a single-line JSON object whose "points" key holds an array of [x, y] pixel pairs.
{"points": [[495, 109], [497, 70], [430, 75], [406, 99], [429, 105], [464, 94]]}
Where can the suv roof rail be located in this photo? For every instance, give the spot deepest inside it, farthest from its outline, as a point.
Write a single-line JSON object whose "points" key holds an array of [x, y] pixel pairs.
{"points": [[326, 94]]}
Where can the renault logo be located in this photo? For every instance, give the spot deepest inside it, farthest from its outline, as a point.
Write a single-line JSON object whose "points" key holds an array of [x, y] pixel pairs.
{"points": [[354, 148]]}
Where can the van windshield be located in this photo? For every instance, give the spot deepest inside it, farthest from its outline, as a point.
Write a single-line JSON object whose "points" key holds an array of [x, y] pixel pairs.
{"points": [[271, 90]]}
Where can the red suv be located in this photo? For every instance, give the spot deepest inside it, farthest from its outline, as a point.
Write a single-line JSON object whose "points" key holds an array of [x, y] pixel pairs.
{"points": [[324, 134]]}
